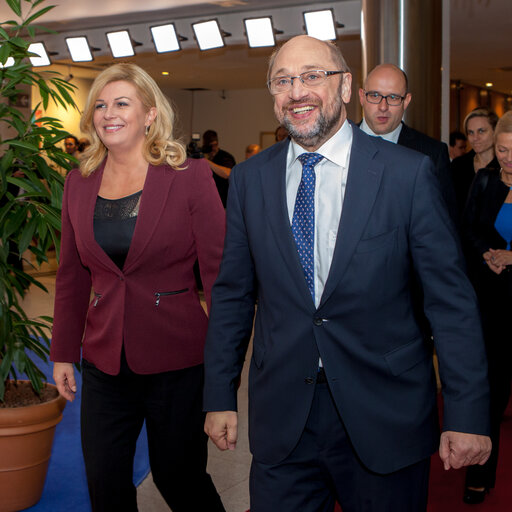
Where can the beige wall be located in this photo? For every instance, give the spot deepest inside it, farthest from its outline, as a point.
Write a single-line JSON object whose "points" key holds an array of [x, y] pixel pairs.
{"points": [[237, 116]]}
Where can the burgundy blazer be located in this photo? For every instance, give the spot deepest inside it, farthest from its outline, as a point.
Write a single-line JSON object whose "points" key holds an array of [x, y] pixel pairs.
{"points": [[152, 304]]}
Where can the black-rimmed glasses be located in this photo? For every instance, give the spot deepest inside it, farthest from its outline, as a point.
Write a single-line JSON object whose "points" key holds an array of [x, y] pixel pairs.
{"points": [[311, 78], [393, 100]]}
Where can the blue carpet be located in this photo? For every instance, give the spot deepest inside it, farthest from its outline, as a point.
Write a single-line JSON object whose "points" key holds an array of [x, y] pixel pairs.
{"points": [[66, 485]]}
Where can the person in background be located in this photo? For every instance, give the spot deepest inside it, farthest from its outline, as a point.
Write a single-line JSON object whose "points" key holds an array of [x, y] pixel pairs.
{"points": [[487, 230], [221, 162], [135, 217], [252, 149], [281, 133], [384, 98], [457, 144], [324, 233], [479, 126], [84, 143], [71, 145]]}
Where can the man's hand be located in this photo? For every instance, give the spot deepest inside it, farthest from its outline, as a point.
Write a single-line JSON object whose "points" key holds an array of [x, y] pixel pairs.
{"points": [[457, 449], [222, 428]]}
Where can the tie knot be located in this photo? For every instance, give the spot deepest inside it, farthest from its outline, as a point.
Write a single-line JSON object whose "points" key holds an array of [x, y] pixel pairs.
{"points": [[309, 159]]}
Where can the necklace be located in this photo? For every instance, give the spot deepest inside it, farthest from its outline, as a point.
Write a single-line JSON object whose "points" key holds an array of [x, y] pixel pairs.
{"points": [[503, 179]]}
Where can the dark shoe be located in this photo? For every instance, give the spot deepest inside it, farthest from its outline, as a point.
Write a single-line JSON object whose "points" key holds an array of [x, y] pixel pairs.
{"points": [[472, 497]]}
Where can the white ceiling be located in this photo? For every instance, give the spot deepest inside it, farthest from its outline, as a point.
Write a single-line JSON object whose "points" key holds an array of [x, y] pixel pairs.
{"points": [[481, 45]]}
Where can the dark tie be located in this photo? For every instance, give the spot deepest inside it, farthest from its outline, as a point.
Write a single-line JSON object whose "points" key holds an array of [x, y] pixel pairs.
{"points": [[303, 220]]}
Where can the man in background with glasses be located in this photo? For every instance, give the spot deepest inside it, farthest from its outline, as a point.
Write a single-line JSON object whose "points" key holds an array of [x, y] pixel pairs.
{"points": [[385, 98], [324, 231]]}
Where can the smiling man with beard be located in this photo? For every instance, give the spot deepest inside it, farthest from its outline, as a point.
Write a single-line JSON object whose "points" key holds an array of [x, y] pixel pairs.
{"points": [[324, 232]]}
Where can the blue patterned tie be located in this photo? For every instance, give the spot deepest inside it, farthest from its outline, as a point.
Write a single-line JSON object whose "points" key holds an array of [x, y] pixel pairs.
{"points": [[303, 220]]}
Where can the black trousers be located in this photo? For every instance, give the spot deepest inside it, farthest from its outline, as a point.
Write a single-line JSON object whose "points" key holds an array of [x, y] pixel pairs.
{"points": [[323, 468], [495, 298], [113, 410]]}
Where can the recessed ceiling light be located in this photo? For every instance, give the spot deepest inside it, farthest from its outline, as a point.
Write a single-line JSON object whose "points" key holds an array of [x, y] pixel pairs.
{"points": [[489, 84], [165, 73]]}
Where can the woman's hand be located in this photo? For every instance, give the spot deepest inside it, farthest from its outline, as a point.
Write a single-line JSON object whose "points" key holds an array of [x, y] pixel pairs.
{"points": [[498, 259], [64, 377]]}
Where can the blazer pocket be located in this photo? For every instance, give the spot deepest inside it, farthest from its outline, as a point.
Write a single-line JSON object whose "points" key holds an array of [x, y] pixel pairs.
{"points": [[403, 358], [159, 295], [377, 242]]}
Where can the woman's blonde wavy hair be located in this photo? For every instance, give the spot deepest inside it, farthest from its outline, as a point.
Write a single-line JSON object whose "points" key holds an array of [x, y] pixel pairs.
{"points": [[504, 125], [160, 145]]}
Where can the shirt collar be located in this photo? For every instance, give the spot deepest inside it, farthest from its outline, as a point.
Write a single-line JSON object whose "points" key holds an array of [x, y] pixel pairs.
{"points": [[336, 149], [391, 136]]}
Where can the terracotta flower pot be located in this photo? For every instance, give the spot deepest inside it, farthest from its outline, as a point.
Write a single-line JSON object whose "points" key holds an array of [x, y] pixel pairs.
{"points": [[26, 437]]}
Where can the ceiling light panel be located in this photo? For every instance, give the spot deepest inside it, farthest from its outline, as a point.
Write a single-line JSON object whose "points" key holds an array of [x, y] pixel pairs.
{"points": [[42, 58], [208, 35], [79, 49], [165, 38], [260, 32], [320, 24], [120, 44]]}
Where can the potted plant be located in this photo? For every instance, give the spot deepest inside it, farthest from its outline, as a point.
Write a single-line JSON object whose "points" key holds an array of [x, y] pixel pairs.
{"points": [[30, 204]]}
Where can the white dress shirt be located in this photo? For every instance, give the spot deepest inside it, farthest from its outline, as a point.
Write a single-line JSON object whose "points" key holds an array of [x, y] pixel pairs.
{"points": [[330, 183], [391, 136]]}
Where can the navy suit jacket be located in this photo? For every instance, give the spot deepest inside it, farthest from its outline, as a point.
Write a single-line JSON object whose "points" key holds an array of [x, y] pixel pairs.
{"points": [[438, 152], [378, 366]]}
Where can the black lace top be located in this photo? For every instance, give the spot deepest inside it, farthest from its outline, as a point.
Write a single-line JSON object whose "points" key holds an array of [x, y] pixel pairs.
{"points": [[114, 223]]}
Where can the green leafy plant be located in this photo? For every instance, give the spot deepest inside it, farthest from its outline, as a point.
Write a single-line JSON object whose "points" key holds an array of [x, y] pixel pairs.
{"points": [[30, 189]]}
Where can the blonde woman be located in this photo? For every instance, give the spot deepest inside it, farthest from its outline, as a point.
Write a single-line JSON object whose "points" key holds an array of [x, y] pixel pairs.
{"points": [[487, 230], [135, 217]]}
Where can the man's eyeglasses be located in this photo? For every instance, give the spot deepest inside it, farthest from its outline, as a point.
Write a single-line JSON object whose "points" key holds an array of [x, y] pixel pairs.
{"points": [[393, 100], [311, 78]]}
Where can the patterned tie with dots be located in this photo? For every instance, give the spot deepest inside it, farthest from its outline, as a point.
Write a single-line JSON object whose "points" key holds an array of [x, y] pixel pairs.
{"points": [[303, 220]]}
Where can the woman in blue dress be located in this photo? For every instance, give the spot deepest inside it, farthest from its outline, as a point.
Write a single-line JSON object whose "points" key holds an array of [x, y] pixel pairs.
{"points": [[487, 234]]}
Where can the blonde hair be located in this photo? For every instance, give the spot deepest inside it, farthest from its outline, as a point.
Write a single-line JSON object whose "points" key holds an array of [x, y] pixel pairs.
{"points": [[504, 125], [160, 145]]}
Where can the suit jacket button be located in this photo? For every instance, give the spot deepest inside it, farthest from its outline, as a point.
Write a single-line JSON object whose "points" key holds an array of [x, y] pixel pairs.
{"points": [[318, 321], [309, 380]]}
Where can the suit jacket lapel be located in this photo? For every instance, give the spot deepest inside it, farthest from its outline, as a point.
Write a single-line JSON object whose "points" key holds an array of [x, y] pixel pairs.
{"points": [[363, 182], [153, 201], [273, 177], [404, 139], [87, 198]]}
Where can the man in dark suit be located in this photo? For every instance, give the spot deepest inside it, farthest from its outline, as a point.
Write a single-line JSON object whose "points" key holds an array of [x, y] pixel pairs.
{"points": [[324, 231], [384, 98]]}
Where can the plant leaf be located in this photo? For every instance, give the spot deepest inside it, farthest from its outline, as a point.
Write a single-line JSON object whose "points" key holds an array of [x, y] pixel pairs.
{"points": [[15, 6], [38, 14]]}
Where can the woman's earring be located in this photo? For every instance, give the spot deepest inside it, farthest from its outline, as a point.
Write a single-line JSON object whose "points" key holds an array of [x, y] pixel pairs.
{"points": [[147, 130]]}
